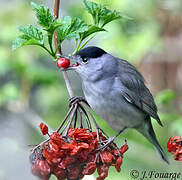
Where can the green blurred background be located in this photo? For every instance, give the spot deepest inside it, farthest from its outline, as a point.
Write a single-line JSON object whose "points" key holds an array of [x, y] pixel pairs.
{"points": [[32, 90]]}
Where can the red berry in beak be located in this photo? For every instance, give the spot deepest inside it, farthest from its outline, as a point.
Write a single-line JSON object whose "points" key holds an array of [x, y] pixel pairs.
{"points": [[63, 63]]}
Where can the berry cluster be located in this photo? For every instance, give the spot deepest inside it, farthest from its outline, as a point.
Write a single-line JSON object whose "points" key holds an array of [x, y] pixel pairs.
{"points": [[174, 146], [75, 155]]}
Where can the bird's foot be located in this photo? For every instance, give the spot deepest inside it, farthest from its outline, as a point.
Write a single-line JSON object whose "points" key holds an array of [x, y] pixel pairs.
{"points": [[76, 99], [109, 141]]}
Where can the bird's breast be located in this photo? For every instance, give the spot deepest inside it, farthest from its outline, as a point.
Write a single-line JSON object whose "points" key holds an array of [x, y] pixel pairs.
{"points": [[108, 103]]}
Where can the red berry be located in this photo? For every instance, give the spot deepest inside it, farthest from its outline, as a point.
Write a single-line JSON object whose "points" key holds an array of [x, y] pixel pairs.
{"points": [[107, 157], [43, 128], [44, 167], [123, 148], [60, 173], [63, 63], [73, 171], [77, 155], [89, 168], [178, 154], [118, 163], [173, 144]]}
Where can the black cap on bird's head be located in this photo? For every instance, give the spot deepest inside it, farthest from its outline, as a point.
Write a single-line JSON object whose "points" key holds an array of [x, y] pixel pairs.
{"points": [[92, 62], [91, 52], [84, 56]]}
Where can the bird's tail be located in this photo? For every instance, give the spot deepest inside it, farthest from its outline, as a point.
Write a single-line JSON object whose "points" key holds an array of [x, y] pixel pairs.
{"points": [[149, 133]]}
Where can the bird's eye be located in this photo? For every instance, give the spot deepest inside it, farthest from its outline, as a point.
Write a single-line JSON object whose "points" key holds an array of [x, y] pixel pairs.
{"points": [[85, 60]]}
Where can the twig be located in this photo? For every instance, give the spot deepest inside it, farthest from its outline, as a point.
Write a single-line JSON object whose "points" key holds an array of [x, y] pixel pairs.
{"points": [[62, 124], [68, 84], [75, 118], [95, 123], [56, 15], [39, 145], [86, 117], [70, 120]]}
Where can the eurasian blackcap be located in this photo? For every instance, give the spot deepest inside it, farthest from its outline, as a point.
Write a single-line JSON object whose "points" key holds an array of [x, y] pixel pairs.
{"points": [[116, 91]]}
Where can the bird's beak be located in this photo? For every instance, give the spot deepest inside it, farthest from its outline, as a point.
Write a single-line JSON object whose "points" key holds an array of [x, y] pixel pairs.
{"points": [[74, 64]]}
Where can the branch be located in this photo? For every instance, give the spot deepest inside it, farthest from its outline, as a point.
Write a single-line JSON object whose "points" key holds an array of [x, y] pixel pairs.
{"points": [[56, 15]]}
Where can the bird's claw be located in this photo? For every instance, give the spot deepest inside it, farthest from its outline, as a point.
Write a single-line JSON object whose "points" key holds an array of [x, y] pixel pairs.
{"points": [[76, 99], [109, 141]]}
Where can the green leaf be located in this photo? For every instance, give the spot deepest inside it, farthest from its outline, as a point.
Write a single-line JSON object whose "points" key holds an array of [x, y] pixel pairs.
{"points": [[92, 29], [31, 36], [53, 26], [19, 42], [43, 15], [100, 14], [110, 16], [31, 32], [92, 8], [71, 28]]}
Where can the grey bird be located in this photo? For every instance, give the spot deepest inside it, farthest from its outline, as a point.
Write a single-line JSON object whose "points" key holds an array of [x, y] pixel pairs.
{"points": [[116, 91]]}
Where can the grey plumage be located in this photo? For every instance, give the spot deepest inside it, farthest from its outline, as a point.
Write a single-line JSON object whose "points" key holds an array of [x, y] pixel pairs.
{"points": [[116, 91], [141, 97]]}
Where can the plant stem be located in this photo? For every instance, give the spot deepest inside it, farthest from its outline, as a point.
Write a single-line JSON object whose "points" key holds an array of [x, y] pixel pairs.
{"points": [[57, 48], [80, 47], [50, 43], [77, 46], [68, 84], [48, 51], [56, 15]]}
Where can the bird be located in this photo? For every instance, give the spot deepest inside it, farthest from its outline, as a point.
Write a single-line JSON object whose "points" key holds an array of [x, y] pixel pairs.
{"points": [[116, 91]]}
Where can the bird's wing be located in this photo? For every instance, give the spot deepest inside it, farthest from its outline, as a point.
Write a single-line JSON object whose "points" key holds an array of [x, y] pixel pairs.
{"points": [[135, 90]]}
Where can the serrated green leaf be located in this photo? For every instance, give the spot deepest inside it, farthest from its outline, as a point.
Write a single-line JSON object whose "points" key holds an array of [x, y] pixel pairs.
{"points": [[53, 26], [43, 15], [31, 32], [110, 16], [92, 29], [71, 28], [91, 7], [17, 43], [100, 14], [31, 36]]}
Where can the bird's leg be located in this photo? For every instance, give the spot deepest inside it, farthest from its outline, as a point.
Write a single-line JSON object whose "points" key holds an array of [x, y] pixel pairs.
{"points": [[110, 140], [77, 99]]}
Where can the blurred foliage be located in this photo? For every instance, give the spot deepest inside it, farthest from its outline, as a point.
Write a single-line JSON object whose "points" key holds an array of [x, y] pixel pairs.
{"points": [[29, 77], [165, 97], [171, 116]]}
